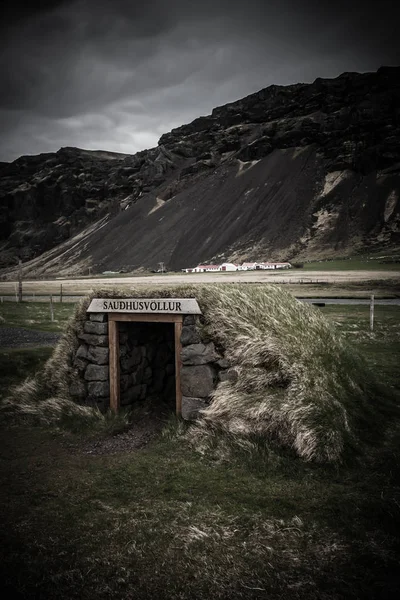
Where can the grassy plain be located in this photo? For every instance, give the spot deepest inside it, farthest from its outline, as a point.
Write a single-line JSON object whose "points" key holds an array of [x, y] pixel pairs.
{"points": [[353, 264], [315, 279], [18, 363], [35, 315], [382, 346], [166, 522]]}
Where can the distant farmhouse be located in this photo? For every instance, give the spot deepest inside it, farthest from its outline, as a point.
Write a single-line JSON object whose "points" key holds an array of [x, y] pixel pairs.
{"points": [[246, 266]]}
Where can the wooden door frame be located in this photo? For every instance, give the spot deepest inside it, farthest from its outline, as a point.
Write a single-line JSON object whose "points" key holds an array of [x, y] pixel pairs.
{"points": [[113, 344]]}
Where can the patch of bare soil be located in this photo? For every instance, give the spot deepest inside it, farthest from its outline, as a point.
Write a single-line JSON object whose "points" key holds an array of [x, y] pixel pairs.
{"points": [[138, 435]]}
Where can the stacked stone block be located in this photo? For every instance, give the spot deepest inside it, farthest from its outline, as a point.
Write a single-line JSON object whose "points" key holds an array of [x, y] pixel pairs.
{"points": [[202, 369], [90, 366]]}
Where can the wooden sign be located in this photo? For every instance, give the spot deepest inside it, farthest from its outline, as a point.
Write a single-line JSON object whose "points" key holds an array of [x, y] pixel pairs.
{"points": [[183, 306]]}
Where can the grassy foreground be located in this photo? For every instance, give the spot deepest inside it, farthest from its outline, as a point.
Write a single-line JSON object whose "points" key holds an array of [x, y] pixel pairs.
{"points": [[166, 522]]}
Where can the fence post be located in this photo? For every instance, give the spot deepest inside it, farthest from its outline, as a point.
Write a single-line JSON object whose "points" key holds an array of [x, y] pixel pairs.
{"points": [[20, 281], [371, 313], [51, 308], [61, 293]]}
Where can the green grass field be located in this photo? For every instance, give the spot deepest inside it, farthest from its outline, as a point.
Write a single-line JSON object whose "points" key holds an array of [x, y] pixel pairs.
{"points": [[352, 264], [382, 346], [35, 315], [166, 522]]}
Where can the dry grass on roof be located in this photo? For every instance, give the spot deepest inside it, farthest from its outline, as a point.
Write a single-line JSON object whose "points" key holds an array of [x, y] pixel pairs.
{"points": [[300, 385]]}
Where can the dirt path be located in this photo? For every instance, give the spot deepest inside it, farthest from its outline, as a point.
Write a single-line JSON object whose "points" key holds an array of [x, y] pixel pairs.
{"points": [[17, 337]]}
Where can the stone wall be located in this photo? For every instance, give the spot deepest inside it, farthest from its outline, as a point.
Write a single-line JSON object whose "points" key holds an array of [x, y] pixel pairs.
{"points": [[90, 383], [203, 367], [147, 364]]}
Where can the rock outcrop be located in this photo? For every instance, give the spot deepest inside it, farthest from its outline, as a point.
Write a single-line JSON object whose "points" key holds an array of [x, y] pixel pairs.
{"points": [[300, 171]]}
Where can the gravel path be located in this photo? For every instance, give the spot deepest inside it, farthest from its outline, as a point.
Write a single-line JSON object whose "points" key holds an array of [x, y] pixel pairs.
{"points": [[17, 337], [137, 436]]}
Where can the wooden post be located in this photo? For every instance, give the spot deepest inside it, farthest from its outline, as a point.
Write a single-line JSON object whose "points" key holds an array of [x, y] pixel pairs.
{"points": [[20, 281], [61, 298], [113, 344], [51, 308], [16, 293], [371, 313], [178, 364]]}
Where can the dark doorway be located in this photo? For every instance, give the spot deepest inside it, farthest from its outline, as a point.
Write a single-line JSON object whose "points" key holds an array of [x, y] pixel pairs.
{"points": [[147, 363], [145, 359]]}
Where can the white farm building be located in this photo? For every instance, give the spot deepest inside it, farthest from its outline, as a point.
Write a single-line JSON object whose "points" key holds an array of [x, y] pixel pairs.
{"points": [[202, 269], [228, 267], [273, 265], [212, 268], [246, 266]]}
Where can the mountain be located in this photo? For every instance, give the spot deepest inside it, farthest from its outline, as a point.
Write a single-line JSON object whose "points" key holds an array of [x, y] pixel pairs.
{"points": [[49, 198], [298, 172]]}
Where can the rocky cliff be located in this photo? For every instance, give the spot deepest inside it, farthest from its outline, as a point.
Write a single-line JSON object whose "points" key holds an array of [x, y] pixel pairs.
{"points": [[47, 199], [291, 172]]}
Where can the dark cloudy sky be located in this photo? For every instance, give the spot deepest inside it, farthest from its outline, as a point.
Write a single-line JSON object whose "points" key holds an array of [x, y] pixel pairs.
{"points": [[116, 74]]}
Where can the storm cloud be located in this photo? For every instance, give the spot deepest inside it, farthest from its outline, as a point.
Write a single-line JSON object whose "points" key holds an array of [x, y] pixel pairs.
{"points": [[116, 74]]}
